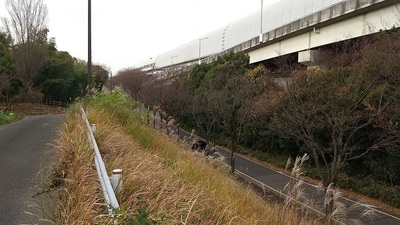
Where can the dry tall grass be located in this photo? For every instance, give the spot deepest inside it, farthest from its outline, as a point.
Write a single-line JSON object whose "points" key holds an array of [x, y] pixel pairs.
{"points": [[162, 180], [79, 196]]}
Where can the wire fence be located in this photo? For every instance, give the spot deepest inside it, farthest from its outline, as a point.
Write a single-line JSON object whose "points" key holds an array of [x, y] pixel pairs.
{"points": [[55, 103]]}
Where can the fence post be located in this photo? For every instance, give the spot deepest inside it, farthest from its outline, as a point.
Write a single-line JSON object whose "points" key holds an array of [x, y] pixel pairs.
{"points": [[116, 179]]}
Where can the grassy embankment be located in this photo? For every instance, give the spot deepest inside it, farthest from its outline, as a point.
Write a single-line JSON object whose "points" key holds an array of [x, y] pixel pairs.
{"points": [[164, 183]]}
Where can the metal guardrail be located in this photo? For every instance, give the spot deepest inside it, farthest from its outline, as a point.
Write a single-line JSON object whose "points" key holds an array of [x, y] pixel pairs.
{"points": [[108, 191]]}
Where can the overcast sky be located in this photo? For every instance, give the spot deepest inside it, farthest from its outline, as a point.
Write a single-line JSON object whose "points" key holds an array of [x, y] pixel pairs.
{"points": [[127, 32]]}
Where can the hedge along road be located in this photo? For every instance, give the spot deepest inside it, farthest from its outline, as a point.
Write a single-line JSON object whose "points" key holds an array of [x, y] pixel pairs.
{"points": [[25, 154]]}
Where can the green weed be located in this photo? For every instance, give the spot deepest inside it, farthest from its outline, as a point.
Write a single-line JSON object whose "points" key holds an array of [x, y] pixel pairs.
{"points": [[9, 117]]}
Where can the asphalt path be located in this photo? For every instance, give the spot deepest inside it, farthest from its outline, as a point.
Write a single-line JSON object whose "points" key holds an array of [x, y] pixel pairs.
{"points": [[275, 181], [25, 154]]}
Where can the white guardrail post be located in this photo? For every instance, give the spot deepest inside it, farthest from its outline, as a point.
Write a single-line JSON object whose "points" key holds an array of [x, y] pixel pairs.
{"points": [[108, 191]]}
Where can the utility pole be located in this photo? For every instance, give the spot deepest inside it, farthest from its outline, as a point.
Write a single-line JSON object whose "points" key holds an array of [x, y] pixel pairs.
{"points": [[261, 22], [89, 62]]}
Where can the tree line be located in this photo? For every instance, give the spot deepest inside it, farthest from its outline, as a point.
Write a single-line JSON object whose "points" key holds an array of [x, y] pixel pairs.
{"points": [[31, 67], [344, 113]]}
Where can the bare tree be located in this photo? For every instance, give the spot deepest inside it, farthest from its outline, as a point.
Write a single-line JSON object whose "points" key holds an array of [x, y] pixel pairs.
{"points": [[132, 81], [27, 26], [233, 92], [100, 76], [336, 113], [174, 98], [202, 114], [234, 106]]}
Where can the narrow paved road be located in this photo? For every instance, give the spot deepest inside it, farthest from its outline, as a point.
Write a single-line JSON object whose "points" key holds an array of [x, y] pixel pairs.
{"points": [[276, 181], [25, 153]]}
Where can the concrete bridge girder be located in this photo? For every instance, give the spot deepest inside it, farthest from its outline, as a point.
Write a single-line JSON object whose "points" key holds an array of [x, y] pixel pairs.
{"points": [[314, 37]]}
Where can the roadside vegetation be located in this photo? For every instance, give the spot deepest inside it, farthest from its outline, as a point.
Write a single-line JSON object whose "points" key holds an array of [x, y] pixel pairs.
{"points": [[164, 182], [343, 112], [8, 117]]}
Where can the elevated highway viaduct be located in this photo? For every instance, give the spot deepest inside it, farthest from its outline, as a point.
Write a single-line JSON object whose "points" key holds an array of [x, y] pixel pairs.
{"points": [[302, 37]]}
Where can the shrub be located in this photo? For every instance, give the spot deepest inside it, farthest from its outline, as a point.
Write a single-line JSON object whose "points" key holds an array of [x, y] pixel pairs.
{"points": [[8, 117]]}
